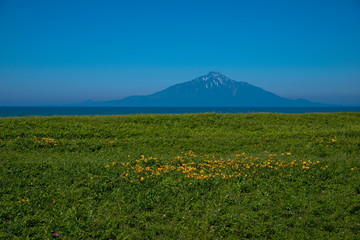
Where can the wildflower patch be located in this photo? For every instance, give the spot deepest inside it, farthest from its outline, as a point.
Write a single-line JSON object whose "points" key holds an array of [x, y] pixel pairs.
{"points": [[192, 167]]}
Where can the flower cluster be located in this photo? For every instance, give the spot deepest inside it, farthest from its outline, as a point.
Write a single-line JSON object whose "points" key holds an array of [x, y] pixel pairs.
{"points": [[45, 141], [190, 166], [323, 142], [108, 143]]}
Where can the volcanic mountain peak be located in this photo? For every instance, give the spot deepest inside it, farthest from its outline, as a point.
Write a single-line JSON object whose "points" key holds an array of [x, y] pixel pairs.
{"points": [[214, 74], [213, 79], [210, 90]]}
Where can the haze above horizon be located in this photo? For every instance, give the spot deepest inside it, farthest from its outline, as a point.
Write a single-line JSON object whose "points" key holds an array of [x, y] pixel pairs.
{"points": [[72, 51]]}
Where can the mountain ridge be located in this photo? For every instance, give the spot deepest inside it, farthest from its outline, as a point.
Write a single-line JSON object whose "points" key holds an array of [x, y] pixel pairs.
{"points": [[210, 90]]}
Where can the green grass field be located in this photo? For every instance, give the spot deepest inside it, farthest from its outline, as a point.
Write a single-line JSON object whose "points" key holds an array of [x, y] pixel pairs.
{"points": [[192, 176]]}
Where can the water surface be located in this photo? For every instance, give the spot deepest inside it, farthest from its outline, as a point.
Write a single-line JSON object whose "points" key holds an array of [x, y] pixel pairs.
{"points": [[69, 111]]}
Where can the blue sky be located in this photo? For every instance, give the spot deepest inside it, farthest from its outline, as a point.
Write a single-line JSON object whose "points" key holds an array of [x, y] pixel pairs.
{"points": [[59, 52]]}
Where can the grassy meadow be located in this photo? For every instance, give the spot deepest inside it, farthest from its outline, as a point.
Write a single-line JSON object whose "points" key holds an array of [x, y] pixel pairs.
{"points": [[191, 176]]}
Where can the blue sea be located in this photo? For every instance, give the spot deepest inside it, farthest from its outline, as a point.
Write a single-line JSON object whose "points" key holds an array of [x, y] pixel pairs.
{"points": [[72, 111]]}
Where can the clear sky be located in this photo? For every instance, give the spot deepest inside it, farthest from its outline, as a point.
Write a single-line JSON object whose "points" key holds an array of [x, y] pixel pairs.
{"points": [[59, 52]]}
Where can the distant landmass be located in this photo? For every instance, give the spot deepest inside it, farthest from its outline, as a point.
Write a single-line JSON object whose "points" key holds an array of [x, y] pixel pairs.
{"points": [[210, 90]]}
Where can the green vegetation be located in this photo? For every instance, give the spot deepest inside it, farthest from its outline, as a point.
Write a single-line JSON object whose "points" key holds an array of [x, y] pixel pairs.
{"points": [[196, 176]]}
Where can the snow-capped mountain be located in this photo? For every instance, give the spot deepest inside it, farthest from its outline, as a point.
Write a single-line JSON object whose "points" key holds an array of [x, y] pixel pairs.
{"points": [[210, 90]]}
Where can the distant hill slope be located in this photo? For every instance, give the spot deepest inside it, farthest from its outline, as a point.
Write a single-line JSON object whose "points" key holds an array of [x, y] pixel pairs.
{"points": [[211, 90]]}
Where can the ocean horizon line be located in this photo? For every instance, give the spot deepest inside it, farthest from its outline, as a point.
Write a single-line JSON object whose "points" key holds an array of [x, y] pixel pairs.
{"points": [[23, 111]]}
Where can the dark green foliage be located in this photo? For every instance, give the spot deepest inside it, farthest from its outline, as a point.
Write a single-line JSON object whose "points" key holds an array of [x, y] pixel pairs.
{"points": [[54, 177]]}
